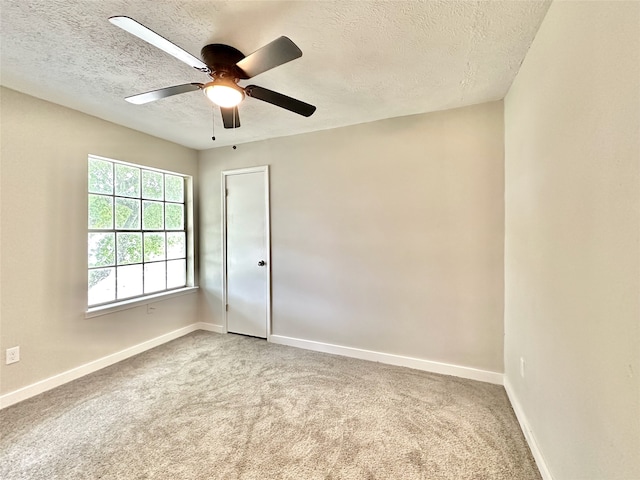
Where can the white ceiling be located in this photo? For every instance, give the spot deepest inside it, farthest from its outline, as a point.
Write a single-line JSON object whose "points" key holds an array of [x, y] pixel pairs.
{"points": [[362, 60]]}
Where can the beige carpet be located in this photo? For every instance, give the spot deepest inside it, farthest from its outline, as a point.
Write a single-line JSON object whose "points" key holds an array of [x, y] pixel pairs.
{"points": [[209, 406]]}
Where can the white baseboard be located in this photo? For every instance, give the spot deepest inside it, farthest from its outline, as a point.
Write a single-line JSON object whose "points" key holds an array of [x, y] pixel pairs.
{"points": [[210, 327], [48, 383], [391, 359], [528, 432], [419, 364]]}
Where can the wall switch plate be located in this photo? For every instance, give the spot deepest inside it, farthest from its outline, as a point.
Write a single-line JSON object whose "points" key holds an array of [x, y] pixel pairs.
{"points": [[13, 355], [522, 367]]}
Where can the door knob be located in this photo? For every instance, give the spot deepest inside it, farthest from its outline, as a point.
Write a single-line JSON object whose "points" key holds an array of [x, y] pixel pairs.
{"points": [[262, 263]]}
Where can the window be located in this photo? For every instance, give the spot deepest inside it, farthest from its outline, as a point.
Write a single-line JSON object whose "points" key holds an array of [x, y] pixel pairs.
{"points": [[137, 237]]}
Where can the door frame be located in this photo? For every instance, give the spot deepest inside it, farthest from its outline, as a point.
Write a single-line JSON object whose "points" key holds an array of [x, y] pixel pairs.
{"points": [[240, 171]]}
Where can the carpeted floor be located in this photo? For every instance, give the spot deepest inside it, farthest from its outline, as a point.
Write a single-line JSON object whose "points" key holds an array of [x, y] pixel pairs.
{"points": [[209, 406]]}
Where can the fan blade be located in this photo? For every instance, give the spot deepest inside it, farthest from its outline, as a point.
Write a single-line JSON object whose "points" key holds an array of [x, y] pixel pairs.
{"points": [[134, 28], [163, 93], [280, 100], [278, 52], [230, 117]]}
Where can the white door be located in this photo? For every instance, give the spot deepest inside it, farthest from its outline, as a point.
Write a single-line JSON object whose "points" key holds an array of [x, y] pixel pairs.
{"points": [[247, 251]]}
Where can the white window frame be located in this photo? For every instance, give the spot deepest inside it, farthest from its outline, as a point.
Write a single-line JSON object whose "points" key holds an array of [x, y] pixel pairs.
{"points": [[118, 305]]}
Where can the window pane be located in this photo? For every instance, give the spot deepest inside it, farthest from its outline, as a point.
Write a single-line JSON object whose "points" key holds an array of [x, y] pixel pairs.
{"points": [[100, 176], [152, 215], [176, 245], [129, 281], [154, 277], [152, 185], [154, 247], [174, 215], [101, 250], [102, 285], [100, 212], [127, 214], [129, 248], [176, 273], [127, 181], [173, 188]]}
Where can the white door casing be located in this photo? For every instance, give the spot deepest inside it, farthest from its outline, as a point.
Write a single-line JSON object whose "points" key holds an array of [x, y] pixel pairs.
{"points": [[246, 251]]}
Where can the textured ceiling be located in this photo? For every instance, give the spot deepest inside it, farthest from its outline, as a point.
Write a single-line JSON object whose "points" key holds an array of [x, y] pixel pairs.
{"points": [[362, 60]]}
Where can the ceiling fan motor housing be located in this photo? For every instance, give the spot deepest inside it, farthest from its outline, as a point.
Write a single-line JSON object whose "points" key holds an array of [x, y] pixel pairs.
{"points": [[221, 60]]}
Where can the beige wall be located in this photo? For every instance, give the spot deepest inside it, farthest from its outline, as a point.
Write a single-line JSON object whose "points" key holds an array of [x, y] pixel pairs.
{"points": [[386, 236], [572, 252], [44, 150]]}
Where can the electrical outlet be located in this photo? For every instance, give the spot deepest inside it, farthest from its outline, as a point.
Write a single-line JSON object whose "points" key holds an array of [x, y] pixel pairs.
{"points": [[13, 355], [522, 367]]}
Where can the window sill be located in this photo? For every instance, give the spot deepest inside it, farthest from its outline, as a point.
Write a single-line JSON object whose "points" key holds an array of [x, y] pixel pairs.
{"points": [[136, 302]]}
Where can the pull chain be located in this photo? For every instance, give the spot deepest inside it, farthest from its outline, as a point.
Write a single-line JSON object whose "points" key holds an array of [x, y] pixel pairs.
{"points": [[213, 124]]}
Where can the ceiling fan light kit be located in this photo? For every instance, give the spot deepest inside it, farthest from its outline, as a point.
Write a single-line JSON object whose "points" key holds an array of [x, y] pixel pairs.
{"points": [[223, 93], [226, 66]]}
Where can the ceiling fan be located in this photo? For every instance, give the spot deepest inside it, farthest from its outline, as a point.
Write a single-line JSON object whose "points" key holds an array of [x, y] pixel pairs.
{"points": [[226, 66]]}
